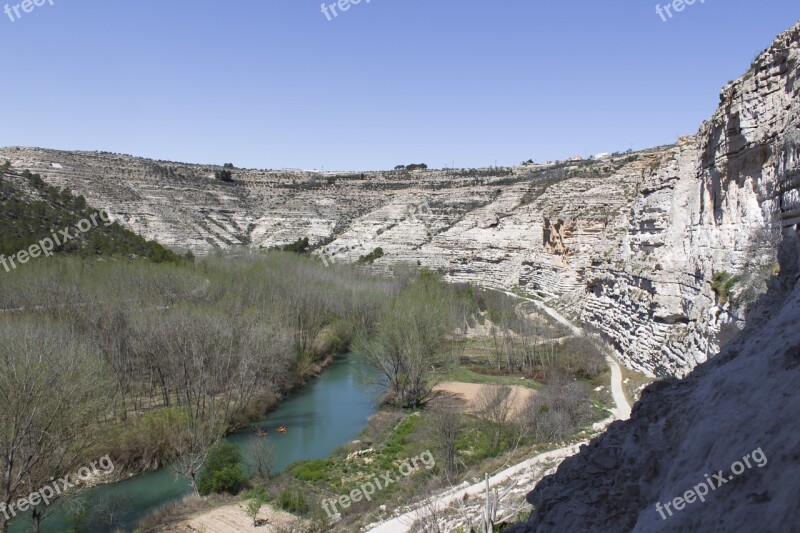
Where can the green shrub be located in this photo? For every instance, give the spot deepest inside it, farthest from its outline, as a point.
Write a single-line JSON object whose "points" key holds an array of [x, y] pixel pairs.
{"points": [[371, 257], [293, 502], [312, 470], [224, 175], [257, 493], [223, 470], [723, 284], [300, 246]]}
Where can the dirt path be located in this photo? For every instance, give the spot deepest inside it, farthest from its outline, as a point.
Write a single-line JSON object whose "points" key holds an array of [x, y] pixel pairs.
{"points": [[552, 313], [623, 408], [403, 523]]}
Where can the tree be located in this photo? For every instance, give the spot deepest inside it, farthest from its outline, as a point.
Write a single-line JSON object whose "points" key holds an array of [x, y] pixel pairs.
{"points": [[224, 175], [446, 423], [262, 457], [371, 257], [213, 374], [557, 410], [300, 246], [52, 393], [409, 343], [494, 405], [491, 505], [253, 508], [223, 470]]}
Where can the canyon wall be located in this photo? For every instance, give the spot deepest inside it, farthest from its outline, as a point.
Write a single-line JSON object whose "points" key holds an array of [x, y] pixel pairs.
{"points": [[628, 246], [729, 429]]}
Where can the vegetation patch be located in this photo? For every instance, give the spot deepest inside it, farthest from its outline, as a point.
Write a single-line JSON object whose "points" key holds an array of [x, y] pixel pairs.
{"points": [[371, 257], [30, 210], [223, 471], [723, 284]]}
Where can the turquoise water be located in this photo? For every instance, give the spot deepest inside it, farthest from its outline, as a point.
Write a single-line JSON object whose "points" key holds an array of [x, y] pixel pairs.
{"points": [[329, 412]]}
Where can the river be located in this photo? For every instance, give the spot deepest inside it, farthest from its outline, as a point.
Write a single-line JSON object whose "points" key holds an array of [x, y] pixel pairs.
{"points": [[327, 413]]}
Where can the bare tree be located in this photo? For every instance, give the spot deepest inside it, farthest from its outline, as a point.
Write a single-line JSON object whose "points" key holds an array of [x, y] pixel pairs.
{"points": [[557, 410], [205, 366], [51, 397], [446, 423], [492, 499], [261, 457], [494, 404], [409, 344]]}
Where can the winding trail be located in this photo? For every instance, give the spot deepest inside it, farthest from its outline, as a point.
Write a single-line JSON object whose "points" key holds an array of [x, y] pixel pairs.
{"points": [[622, 407], [552, 313], [621, 411]]}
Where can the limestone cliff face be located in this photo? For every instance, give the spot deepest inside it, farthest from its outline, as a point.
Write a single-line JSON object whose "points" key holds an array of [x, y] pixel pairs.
{"points": [[715, 204], [683, 433], [628, 246]]}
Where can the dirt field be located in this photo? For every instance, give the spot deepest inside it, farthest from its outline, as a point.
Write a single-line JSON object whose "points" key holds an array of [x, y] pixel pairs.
{"points": [[233, 519], [468, 392]]}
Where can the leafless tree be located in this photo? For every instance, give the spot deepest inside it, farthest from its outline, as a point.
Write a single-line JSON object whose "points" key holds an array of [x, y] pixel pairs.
{"points": [[261, 456], [409, 343], [557, 410], [492, 499], [494, 404], [446, 423], [52, 395]]}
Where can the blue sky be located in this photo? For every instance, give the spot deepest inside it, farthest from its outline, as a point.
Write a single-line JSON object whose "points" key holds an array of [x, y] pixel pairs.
{"points": [[274, 84]]}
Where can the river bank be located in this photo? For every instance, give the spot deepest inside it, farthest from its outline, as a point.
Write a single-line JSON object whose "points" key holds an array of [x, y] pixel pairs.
{"points": [[330, 411]]}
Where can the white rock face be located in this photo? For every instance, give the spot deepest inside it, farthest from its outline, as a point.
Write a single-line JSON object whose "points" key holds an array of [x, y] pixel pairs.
{"points": [[681, 431], [732, 421], [627, 246]]}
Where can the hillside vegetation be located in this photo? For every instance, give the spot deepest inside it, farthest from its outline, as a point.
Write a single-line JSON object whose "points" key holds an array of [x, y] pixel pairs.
{"points": [[32, 210]]}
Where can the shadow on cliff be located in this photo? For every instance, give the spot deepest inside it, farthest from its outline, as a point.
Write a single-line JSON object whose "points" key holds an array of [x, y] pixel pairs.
{"points": [[682, 429]]}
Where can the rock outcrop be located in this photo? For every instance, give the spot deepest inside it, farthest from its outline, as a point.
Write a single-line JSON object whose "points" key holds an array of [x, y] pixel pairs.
{"points": [[728, 430], [659, 251], [731, 425]]}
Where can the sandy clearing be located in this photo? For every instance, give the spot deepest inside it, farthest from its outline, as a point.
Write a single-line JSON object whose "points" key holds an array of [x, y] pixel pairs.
{"points": [[468, 392], [233, 519]]}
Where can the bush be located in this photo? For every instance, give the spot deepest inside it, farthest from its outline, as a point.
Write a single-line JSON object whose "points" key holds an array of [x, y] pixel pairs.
{"points": [[223, 471], [723, 285], [371, 257], [300, 246], [579, 357], [293, 502], [558, 410], [312, 470], [224, 175]]}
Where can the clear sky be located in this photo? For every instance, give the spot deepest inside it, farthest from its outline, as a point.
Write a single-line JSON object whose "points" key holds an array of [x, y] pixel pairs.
{"points": [[275, 84]]}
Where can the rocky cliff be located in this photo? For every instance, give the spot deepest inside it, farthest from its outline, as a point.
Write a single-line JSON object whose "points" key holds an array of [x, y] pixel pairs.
{"points": [[659, 251], [728, 433], [720, 449]]}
